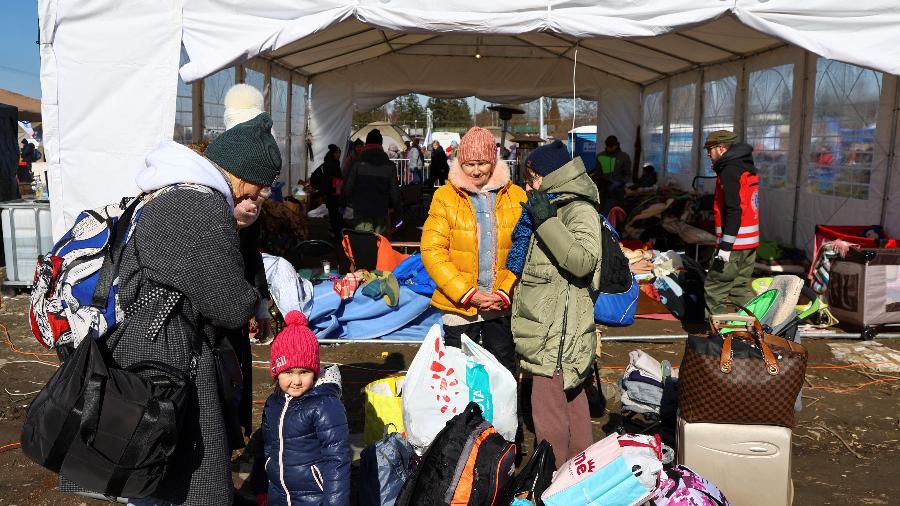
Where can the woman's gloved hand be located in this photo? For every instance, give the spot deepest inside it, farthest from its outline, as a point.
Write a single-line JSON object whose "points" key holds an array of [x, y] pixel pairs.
{"points": [[539, 206]]}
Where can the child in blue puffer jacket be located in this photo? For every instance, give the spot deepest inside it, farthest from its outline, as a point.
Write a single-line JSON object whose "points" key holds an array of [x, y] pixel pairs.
{"points": [[304, 425]]}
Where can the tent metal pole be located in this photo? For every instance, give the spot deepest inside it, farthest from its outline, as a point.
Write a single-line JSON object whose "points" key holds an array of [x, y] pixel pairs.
{"points": [[289, 129], [804, 130], [665, 127], [197, 111], [660, 51], [342, 38], [699, 111], [892, 151], [740, 102]]}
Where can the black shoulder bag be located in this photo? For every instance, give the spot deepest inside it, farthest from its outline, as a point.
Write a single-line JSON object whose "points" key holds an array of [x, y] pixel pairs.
{"points": [[109, 429]]}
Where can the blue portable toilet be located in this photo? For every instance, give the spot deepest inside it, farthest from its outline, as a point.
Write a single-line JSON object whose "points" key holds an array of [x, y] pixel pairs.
{"points": [[583, 143]]}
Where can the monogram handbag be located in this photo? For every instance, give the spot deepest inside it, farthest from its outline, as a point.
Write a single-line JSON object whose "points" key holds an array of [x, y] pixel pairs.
{"points": [[740, 374]]}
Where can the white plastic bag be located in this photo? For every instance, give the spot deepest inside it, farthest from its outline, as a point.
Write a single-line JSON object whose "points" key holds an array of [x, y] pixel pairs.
{"points": [[319, 212], [289, 291], [436, 389]]}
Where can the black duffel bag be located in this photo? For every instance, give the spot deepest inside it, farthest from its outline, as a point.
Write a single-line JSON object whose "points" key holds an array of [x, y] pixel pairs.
{"points": [[104, 428]]}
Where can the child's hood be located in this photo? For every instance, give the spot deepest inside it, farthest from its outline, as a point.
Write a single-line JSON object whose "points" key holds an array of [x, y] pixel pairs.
{"points": [[329, 382]]}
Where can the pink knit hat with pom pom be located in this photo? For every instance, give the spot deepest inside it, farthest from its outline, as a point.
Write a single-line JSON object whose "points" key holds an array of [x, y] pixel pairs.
{"points": [[295, 347]]}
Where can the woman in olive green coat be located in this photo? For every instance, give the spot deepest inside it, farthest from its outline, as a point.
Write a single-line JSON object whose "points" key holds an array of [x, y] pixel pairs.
{"points": [[553, 308]]}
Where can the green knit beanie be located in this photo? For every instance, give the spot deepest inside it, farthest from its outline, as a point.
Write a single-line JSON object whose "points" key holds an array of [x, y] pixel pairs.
{"points": [[248, 151]]}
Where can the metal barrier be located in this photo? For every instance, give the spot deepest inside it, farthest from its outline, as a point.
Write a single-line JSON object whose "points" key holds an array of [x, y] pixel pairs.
{"points": [[406, 176]]}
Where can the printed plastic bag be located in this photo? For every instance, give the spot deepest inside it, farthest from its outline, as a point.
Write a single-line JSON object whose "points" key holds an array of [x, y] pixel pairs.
{"points": [[434, 391], [599, 476], [442, 380]]}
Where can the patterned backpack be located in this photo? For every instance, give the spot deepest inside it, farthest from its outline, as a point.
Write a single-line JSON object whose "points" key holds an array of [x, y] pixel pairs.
{"points": [[76, 285], [684, 487]]}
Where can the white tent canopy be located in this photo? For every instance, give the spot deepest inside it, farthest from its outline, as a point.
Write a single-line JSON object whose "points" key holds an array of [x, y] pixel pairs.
{"points": [[360, 54]]}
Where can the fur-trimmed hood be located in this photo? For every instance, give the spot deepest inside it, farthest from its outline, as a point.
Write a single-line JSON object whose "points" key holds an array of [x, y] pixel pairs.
{"points": [[499, 178]]}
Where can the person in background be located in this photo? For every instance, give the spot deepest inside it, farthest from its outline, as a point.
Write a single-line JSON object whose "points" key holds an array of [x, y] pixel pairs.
{"points": [[648, 178], [304, 427], [439, 167], [613, 173], [371, 187], [416, 162], [26, 157], [553, 308], [352, 158], [736, 209], [502, 152], [327, 183], [465, 240]]}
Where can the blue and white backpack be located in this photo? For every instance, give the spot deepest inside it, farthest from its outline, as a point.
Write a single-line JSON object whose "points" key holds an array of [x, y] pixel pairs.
{"points": [[76, 285]]}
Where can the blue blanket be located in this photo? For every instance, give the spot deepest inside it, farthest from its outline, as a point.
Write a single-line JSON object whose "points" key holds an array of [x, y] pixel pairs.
{"points": [[361, 317]]}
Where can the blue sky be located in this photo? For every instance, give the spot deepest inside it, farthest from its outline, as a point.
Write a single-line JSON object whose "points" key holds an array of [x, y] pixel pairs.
{"points": [[20, 60]]}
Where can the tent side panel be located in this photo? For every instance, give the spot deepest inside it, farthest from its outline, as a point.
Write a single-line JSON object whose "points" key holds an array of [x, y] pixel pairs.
{"points": [[330, 114], [619, 111], [891, 209], [109, 97]]}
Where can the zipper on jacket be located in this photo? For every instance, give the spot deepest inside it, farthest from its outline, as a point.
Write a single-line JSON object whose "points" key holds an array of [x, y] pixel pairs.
{"points": [[287, 493]]}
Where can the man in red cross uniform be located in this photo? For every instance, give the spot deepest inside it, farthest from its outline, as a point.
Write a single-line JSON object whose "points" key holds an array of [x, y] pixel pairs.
{"points": [[736, 207]]}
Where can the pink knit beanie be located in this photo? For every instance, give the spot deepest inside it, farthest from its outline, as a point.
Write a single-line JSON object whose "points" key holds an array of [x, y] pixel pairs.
{"points": [[477, 144], [296, 346]]}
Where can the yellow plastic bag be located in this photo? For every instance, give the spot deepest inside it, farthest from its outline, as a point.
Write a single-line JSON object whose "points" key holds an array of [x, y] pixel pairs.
{"points": [[384, 408]]}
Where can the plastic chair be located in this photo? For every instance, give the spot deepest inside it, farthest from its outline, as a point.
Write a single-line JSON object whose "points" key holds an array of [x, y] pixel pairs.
{"points": [[313, 251]]}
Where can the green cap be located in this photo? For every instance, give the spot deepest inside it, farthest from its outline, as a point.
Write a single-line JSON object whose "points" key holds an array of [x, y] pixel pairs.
{"points": [[248, 150], [726, 137]]}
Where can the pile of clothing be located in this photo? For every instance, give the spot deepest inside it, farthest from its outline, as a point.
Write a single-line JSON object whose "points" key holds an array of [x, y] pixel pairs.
{"points": [[640, 260], [376, 285], [648, 387]]}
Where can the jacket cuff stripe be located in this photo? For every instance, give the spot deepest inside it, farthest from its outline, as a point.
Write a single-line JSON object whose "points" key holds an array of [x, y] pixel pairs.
{"points": [[504, 296], [468, 296]]}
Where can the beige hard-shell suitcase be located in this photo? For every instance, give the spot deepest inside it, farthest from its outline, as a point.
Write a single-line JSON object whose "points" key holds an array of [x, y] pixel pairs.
{"points": [[751, 464]]}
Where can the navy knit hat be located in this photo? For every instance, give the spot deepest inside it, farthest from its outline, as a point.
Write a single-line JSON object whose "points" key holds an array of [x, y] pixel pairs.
{"points": [[548, 158], [248, 151]]}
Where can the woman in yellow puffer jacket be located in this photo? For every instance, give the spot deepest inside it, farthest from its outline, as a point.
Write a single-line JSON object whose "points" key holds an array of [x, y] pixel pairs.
{"points": [[465, 241]]}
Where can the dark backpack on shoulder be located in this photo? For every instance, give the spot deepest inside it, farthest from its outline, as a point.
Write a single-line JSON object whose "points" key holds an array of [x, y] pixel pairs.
{"points": [[617, 290], [615, 271], [317, 179], [468, 463]]}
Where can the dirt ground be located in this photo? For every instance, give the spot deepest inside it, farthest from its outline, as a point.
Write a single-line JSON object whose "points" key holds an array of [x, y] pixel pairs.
{"points": [[845, 443]]}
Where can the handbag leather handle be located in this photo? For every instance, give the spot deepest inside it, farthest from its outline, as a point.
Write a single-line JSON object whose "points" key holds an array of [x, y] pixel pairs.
{"points": [[726, 358], [771, 364]]}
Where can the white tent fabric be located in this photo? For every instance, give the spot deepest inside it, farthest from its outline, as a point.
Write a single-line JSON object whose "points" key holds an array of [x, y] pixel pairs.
{"points": [[108, 96]]}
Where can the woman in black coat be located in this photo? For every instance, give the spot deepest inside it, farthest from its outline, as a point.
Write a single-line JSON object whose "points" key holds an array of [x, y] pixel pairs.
{"points": [[439, 167]]}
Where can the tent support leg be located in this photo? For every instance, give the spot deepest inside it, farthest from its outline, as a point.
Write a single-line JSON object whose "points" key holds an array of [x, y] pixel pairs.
{"points": [[801, 137], [892, 152]]}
